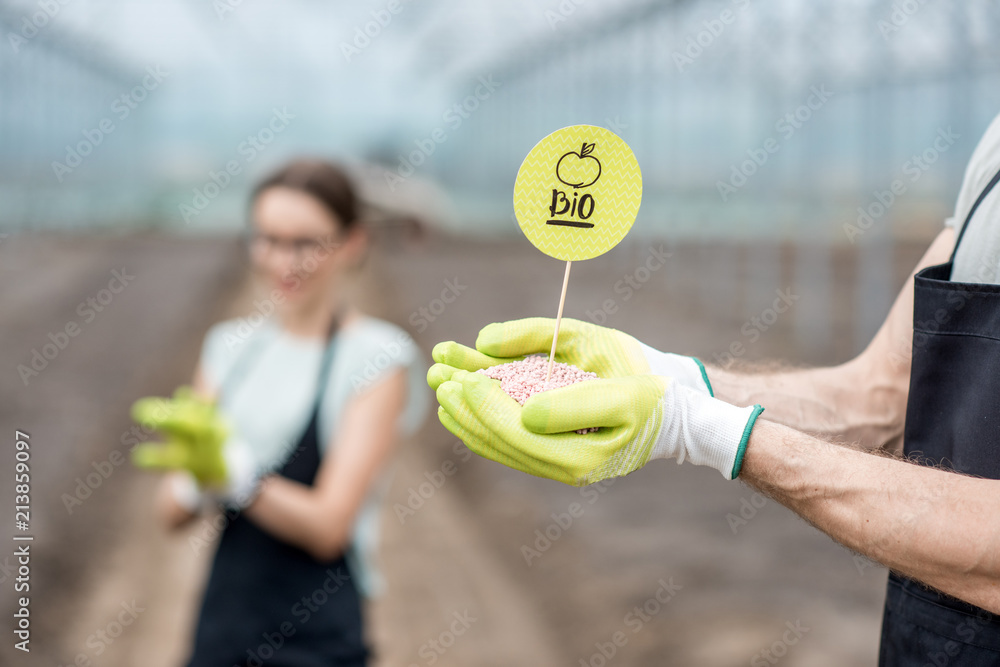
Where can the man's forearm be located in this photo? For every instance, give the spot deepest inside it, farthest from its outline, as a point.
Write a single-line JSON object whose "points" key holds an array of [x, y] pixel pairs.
{"points": [[850, 403], [935, 526], [862, 402]]}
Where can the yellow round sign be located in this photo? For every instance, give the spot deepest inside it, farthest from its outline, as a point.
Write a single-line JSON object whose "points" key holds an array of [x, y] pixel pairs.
{"points": [[577, 192]]}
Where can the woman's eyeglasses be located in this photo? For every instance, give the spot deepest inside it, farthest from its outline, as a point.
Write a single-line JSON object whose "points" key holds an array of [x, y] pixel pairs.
{"points": [[301, 247]]}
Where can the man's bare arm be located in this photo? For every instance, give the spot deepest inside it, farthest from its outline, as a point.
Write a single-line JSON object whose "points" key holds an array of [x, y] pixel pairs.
{"points": [[935, 526], [862, 401]]}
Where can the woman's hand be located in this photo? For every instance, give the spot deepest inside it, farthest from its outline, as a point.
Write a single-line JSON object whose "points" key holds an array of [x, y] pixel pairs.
{"points": [[199, 446], [194, 435]]}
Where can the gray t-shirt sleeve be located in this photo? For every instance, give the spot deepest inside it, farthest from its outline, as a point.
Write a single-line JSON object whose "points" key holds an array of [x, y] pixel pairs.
{"points": [[978, 256], [218, 351], [365, 357]]}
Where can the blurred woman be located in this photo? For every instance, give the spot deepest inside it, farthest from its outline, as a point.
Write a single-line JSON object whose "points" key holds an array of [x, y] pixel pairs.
{"points": [[317, 393]]}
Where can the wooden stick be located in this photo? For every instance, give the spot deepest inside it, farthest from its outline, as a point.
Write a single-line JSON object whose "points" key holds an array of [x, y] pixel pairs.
{"points": [[555, 336]]}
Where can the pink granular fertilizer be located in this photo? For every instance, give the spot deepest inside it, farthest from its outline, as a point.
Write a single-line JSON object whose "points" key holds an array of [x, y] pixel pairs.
{"points": [[524, 378]]}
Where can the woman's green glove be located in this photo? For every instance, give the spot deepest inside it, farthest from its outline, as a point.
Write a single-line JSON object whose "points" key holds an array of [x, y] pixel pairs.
{"points": [[194, 434], [607, 352], [197, 441]]}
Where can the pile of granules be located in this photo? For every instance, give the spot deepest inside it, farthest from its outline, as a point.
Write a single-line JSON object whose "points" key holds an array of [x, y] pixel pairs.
{"points": [[521, 379]]}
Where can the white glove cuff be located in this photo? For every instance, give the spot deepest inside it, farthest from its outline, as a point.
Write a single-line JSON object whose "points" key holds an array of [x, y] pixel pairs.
{"points": [[185, 491], [687, 371], [242, 477], [704, 430]]}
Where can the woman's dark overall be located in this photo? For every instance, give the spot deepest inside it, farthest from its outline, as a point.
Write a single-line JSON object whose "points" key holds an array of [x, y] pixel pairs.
{"points": [[270, 603], [952, 420]]}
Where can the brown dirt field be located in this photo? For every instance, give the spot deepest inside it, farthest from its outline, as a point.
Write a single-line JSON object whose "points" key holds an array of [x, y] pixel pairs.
{"points": [[462, 550]]}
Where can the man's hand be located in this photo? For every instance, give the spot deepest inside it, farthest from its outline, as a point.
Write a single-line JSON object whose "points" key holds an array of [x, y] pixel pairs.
{"points": [[607, 352], [641, 415]]}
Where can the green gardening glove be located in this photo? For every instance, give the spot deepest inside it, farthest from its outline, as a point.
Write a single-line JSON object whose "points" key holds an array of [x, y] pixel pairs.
{"points": [[194, 435], [641, 415], [641, 418], [607, 352]]}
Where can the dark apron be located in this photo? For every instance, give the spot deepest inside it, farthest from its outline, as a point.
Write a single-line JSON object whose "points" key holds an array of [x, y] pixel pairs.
{"points": [[270, 603], [952, 420]]}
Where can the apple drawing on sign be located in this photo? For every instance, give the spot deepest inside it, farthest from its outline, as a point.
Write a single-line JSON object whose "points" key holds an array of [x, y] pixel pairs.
{"points": [[579, 170]]}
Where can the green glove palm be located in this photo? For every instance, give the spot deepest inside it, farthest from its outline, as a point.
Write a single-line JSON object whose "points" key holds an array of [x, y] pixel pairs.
{"points": [[607, 352], [194, 435], [540, 439], [642, 412]]}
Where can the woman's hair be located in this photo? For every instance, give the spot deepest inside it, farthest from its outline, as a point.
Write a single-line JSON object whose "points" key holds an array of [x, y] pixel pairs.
{"points": [[324, 181]]}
